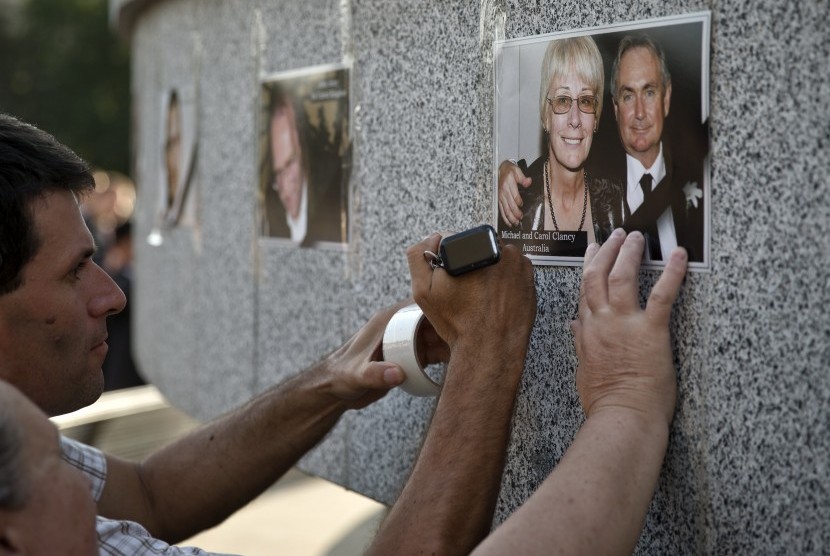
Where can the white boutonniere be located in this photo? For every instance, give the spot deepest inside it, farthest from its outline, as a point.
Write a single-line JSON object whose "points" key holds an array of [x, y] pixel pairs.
{"points": [[692, 193]]}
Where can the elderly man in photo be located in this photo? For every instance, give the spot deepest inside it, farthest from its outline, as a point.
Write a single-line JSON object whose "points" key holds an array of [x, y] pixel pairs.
{"points": [[662, 193]]}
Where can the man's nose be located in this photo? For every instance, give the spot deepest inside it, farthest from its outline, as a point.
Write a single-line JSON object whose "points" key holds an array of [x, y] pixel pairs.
{"points": [[639, 107], [107, 299]]}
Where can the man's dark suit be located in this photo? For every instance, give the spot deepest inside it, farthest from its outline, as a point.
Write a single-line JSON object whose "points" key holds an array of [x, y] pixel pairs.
{"points": [[327, 214], [669, 192]]}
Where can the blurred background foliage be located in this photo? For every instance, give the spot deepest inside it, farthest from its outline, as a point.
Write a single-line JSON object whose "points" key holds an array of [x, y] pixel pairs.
{"points": [[64, 69]]}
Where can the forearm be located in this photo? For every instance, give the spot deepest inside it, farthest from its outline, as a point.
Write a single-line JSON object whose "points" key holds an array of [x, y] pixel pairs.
{"points": [[202, 478], [596, 499], [448, 502]]}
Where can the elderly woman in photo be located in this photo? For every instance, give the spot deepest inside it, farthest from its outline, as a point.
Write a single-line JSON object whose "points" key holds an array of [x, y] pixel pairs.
{"points": [[555, 193]]}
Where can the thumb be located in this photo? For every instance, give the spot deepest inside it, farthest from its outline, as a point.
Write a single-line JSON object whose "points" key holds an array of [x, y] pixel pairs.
{"points": [[373, 382], [382, 375]]}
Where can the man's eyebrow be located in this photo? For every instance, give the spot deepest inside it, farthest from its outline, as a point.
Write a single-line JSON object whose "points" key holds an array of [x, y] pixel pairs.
{"points": [[83, 254], [632, 88]]}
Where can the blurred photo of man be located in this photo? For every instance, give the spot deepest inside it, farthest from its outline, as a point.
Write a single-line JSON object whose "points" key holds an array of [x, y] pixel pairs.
{"points": [[305, 193]]}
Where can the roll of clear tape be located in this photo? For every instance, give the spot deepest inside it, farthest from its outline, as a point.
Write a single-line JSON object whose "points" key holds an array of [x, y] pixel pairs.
{"points": [[400, 346]]}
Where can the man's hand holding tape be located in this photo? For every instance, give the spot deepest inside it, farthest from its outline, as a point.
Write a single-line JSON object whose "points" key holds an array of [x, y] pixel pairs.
{"points": [[356, 374], [485, 316]]}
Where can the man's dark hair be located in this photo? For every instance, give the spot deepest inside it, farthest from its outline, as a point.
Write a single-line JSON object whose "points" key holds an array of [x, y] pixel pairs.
{"points": [[14, 488], [642, 41], [32, 164]]}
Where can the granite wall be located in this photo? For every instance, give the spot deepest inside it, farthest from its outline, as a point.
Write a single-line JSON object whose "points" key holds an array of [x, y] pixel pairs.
{"points": [[221, 315]]}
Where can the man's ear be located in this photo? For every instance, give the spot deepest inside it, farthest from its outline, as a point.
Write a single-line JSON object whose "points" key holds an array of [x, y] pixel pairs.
{"points": [[616, 108], [667, 100]]}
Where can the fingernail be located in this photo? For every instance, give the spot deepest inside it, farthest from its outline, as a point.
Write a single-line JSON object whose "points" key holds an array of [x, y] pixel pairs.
{"points": [[679, 255], [636, 235], [619, 232], [392, 376]]}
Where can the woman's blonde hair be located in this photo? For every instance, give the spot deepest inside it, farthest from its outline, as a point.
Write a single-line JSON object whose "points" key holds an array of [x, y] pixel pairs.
{"points": [[579, 54]]}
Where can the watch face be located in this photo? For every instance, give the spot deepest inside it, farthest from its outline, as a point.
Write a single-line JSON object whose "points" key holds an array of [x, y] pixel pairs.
{"points": [[469, 250]]}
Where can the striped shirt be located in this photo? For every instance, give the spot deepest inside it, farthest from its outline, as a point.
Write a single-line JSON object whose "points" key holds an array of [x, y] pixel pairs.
{"points": [[117, 538]]}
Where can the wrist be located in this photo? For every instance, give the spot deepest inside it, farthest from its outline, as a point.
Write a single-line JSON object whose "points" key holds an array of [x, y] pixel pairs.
{"points": [[639, 421], [321, 383], [503, 340], [497, 356], [650, 397]]}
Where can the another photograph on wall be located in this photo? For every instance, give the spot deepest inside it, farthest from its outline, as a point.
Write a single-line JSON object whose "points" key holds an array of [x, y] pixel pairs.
{"points": [[603, 128], [176, 205], [305, 157]]}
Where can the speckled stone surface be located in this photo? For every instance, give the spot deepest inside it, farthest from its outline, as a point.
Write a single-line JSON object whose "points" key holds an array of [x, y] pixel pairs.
{"points": [[220, 315]]}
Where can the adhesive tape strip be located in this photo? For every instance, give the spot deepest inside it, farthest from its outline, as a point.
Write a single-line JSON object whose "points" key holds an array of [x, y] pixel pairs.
{"points": [[399, 340]]}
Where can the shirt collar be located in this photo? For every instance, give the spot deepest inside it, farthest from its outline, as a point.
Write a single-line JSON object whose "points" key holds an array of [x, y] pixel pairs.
{"points": [[636, 169], [299, 227]]}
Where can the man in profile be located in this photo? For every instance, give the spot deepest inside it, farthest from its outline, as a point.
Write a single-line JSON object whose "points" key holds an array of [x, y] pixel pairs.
{"points": [[663, 196], [304, 193]]}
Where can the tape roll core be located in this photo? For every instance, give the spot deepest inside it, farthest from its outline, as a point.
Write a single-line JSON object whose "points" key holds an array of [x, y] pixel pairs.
{"points": [[399, 346]]}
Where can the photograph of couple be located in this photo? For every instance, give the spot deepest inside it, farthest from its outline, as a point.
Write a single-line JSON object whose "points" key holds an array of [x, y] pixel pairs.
{"points": [[600, 129]]}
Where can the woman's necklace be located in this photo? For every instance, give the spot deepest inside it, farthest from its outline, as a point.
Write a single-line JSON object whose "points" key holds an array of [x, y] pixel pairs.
{"points": [[550, 199]]}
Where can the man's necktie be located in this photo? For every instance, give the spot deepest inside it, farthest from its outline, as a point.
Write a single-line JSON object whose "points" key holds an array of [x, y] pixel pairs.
{"points": [[651, 234]]}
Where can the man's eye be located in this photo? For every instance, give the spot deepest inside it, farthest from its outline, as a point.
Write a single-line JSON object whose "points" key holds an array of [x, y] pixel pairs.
{"points": [[76, 272]]}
